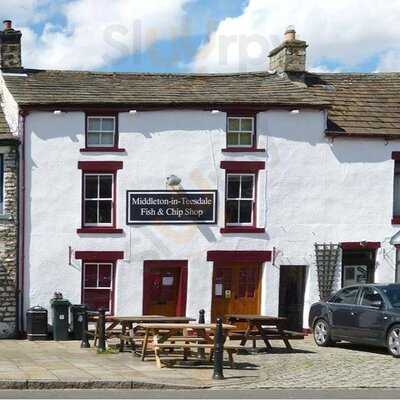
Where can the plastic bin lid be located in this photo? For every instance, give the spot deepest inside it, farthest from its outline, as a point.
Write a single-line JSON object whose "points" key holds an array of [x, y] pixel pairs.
{"points": [[37, 308], [60, 302], [77, 306]]}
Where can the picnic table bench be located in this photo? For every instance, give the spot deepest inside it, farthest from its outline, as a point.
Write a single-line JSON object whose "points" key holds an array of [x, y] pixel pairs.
{"points": [[182, 337], [262, 327]]}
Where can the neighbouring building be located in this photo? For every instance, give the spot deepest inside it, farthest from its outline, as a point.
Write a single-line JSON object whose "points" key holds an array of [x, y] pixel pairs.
{"points": [[9, 46], [241, 193]]}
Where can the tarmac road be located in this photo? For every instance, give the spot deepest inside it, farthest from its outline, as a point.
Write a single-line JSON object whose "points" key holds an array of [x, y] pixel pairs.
{"points": [[203, 394]]}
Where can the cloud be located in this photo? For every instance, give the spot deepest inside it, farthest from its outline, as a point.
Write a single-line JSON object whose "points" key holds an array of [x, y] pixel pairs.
{"points": [[340, 32], [90, 34]]}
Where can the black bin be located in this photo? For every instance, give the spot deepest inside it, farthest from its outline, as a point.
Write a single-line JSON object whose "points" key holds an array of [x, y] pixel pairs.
{"points": [[77, 320], [60, 317], [36, 323]]}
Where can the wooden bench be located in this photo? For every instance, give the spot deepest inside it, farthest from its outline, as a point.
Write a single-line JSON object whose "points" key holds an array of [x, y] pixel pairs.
{"points": [[270, 334], [230, 349]]}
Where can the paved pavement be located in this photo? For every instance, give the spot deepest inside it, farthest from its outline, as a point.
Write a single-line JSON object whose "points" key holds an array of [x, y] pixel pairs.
{"points": [[204, 394], [35, 365]]}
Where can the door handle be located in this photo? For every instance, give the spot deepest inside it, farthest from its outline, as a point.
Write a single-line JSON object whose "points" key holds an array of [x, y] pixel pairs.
{"points": [[353, 313]]}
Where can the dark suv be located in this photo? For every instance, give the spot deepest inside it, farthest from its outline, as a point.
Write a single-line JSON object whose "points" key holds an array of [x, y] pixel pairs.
{"points": [[365, 314]]}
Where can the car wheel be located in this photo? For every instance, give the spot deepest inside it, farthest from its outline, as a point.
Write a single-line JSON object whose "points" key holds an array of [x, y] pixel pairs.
{"points": [[393, 341], [322, 334]]}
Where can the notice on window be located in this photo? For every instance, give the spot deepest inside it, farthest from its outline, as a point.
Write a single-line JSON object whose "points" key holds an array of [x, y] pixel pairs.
{"points": [[218, 289], [168, 280]]}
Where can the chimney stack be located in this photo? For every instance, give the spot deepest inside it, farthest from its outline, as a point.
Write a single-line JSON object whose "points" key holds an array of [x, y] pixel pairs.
{"points": [[10, 47], [289, 56]]}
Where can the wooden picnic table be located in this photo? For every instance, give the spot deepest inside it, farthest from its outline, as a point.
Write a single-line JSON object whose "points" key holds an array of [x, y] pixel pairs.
{"points": [[263, 327], [179, 336], [127, 324]]}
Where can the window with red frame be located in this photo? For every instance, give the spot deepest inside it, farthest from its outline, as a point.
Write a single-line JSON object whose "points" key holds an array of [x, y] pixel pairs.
{"points": [[98, 279], [98, 207], [240, 199]]}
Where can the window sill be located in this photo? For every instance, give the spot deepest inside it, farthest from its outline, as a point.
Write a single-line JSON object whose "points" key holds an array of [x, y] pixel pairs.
{"points": [[99, 229], [102, 150], [6, 217], [242, 150], [242, 229], [396, 220]]}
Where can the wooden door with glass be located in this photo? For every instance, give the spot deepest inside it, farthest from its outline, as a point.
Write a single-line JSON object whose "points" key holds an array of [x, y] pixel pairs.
{"points": [[236, 289]]}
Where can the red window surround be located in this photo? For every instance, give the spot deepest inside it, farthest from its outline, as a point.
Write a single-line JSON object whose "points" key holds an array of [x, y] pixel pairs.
{"points": [[100, 167], [396, 157], [239, 256], [251, 167], [113, 149], [253, 148], [98, 257], [360, 245]]}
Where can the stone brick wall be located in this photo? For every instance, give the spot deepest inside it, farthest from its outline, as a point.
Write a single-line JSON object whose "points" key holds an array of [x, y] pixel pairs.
{"points": [[8, 248]]}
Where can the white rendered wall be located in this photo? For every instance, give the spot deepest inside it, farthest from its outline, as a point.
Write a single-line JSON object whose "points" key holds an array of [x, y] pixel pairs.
{"points": [[312, 191]]}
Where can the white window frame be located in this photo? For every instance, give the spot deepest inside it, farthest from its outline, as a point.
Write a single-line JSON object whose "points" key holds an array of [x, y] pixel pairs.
{"points": [[101, 131], [252, 199], [108, 224], [97, 287], [252, 132]]}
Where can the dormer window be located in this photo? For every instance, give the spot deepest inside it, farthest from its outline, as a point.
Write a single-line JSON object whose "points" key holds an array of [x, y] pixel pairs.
{"points": [[101, 131], [240, 132]]}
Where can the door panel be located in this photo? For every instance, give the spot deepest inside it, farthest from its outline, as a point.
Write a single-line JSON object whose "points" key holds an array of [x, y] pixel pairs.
{"points": [[236, 289], [163, 286], [291, 295]]}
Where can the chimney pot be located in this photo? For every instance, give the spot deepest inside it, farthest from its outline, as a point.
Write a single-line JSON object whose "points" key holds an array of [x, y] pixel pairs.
{"points": [[290, 33], [7, 24]]}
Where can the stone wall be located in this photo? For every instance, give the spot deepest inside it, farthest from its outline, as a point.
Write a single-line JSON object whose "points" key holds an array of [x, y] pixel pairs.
{"points": [[8, 248]]}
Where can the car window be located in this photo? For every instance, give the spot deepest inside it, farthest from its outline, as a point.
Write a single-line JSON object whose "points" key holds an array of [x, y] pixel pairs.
{"points": [[370, 296], [393, 294], [346, 296]]}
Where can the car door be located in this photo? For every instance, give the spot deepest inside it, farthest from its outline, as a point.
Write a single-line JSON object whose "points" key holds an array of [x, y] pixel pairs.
{"points": [[370, 317], [341, 313]]}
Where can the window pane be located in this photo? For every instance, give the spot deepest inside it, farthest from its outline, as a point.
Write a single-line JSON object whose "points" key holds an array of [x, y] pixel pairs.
{"points": [[107, 124], [91, 212], [231, 212], [370, 296], [93, 138], [91, 182], [247, 187], [232, 139], [233, 186], [97, 298], [105, 275], [246, 124], [105, 207], [245, 211], [396, 192], [105, 186], [94, 124], [347, 296], [233, 124], [245, 139], [107, 139], [90, 275]]}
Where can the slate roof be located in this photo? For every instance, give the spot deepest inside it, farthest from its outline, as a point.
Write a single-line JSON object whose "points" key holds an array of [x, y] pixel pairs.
{"points": [[42, 87], [358, 104], [361, 104], [5, 133]]}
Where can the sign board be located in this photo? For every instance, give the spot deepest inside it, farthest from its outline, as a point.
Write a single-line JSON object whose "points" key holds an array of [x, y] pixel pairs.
{"points": [[171, 207]]}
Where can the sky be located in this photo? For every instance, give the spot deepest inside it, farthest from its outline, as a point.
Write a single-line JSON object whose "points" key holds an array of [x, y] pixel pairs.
{"points": [[204, 35]]}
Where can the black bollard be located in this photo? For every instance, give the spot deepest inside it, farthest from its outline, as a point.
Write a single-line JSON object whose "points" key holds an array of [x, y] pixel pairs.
{"points": [[85, 337], [218, 351], [201, 353], [101, 346]]}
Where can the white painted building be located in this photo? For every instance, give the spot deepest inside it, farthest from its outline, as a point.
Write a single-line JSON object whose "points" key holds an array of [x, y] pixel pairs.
{"points": [[296, 159]]}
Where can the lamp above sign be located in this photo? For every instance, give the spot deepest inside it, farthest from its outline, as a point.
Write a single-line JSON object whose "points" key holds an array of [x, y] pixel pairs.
{"points": [[171, 207]]}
